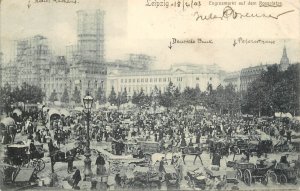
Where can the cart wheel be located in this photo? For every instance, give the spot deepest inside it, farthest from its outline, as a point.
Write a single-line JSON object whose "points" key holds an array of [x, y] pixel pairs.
{"points": [[148, 158], [264, 180], [239, 174], [39, 165], [283, 179], [247, 177], [273, 177]]}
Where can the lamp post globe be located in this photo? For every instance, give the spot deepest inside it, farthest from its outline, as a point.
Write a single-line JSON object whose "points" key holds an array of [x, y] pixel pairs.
{"points": [[88, 103]]}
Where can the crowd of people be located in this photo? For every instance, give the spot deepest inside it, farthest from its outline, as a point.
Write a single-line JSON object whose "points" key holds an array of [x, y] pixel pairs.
{"points": [[185, 131]]}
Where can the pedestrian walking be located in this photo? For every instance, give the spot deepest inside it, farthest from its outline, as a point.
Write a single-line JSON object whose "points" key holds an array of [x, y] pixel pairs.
{"points": [[100, 162], [76, 179]]}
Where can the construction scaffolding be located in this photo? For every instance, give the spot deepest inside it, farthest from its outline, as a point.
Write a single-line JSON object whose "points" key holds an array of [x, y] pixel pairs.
{"points": [[90, 31]]}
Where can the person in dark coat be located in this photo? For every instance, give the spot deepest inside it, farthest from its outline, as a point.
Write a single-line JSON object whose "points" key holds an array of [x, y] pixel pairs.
{"points": [[100, 162], [76, 179], [216, 158], [70, 159]]}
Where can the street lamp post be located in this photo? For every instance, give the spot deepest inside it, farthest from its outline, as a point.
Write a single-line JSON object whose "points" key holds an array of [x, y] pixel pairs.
{"points": [[88, 102]]}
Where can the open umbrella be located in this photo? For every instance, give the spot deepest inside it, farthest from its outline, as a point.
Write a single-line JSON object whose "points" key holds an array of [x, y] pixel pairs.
{"points": [[17, 111]]}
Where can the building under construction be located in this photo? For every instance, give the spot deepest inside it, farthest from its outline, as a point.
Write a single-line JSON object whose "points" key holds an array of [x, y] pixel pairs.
{"points": [[30, 56], [90, 33]]}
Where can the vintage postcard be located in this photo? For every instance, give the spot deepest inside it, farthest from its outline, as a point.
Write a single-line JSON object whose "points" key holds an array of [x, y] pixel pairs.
{"points": [[150, 94]]}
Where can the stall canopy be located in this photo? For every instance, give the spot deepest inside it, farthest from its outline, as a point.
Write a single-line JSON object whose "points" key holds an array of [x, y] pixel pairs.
{"points": [[54, 113], [283, 115], [8, 121], [65, 112], [18, 112]]}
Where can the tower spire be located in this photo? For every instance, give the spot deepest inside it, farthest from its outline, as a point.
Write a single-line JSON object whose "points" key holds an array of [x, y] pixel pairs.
{"points": [[284, 62]]}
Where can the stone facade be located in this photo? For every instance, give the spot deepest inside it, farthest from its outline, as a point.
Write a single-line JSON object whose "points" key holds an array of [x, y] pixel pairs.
{"points": [[181, 75]]}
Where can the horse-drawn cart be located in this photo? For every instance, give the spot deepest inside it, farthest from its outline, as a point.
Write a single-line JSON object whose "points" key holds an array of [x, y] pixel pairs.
{"points": [[17, 154]]}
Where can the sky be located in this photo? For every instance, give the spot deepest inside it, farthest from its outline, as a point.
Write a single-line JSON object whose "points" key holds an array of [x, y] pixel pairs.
{"points": [[132, 27]]}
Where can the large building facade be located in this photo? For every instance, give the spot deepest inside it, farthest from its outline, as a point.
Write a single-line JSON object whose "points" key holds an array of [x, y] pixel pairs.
{"points": [[234, 79], [241, 80], [181, 75]]}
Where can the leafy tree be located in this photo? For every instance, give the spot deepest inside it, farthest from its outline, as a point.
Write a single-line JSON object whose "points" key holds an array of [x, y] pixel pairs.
{"points": [[274, 91], [141, 99], [100, 96], [112, 99], [53, 96], [124, 96], [167, 98], [65, 96], [76, 95], [30, 94], [6, 97], [134, 98]]}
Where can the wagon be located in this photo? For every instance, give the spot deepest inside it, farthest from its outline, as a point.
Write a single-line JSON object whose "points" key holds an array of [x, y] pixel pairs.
{"points": [[148, 148], [283, 174], [16, 154], [214, 172], [17, 175], [196, 179], [145, 177], [250, 172], [171, 177], [130, 148]]}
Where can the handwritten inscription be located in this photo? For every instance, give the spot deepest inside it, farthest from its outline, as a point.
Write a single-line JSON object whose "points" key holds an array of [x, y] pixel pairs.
{"points": [[31, 2], [229, 12], [192, 41], [244, 41], [175, 4], [270, 4]]}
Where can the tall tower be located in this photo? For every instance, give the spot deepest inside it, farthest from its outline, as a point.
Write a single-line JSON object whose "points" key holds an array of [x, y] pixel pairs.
{"points": [[90, 31], [284, 62]]}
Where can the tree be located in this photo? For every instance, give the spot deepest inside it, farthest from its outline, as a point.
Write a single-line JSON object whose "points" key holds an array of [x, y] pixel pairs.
{"points": [[141, 99], [6, 98], [76, 95], [274, 91], [124, 98], [112, 99], [65, 96], [167, 98], [100, 96], [53, 96], [30, 94]]}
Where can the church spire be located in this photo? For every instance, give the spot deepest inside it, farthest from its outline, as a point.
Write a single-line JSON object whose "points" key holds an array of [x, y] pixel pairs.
{"points": [[284, 52], [284, 62]]}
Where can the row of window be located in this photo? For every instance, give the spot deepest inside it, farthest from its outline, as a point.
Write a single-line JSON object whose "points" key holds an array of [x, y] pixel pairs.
{"points": [[145, 80], [137, 89], [178, 79]]}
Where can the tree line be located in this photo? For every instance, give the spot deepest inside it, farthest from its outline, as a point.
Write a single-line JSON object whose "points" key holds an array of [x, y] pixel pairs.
{"points": [[27, 94], [221, 100], [273, 91]]}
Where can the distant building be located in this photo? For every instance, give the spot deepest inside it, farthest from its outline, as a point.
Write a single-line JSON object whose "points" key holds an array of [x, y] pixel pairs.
{"points": [[248, 75], [57, 78], [284, 62], [90, 34], [10, 74], [31, 54], [181, 75], [234, 79]]}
